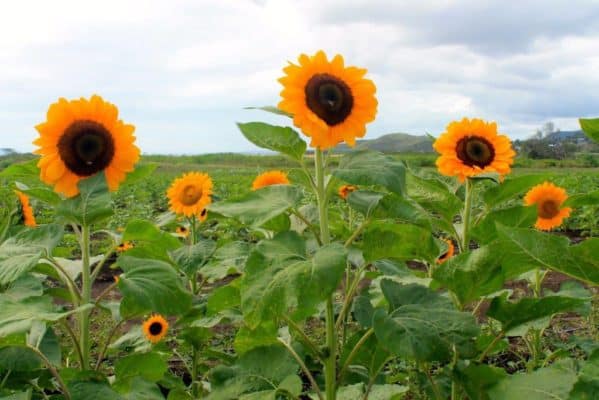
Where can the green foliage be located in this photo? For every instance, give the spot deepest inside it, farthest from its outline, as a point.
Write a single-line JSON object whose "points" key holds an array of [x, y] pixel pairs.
{"points": [[91, 205], [276, 138]]}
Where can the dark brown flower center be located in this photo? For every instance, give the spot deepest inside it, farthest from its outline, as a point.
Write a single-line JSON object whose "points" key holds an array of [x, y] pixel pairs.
{"points": [[548, 209], [155, 328], [190, 195], [86, 147], [475, 151], [329, 98]]}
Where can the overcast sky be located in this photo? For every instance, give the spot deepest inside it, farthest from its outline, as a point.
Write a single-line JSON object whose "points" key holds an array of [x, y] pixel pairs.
{"points": [[182, 71]]}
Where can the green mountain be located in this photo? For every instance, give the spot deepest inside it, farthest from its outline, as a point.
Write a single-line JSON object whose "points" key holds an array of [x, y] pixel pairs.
{"points": [[393, 143]]}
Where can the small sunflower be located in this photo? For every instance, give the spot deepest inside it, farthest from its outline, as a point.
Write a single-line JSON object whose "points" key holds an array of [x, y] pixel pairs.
{"points": [[270, 178], [345, 190], [203, 215], [155, 328], [26, 210], [124, 246], [448, 254], [81, 138], [182, 231], [330, 102], [549, 199], [190, 194], [471, 147]]}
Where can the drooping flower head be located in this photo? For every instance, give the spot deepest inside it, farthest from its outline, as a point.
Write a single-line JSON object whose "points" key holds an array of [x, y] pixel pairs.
{"points": [[548, 199], [155, 328], [190, 194], [448, 254], [270, 178], [81, 138], [330, 103], [471, 147], [345, 190], [26, 210]]}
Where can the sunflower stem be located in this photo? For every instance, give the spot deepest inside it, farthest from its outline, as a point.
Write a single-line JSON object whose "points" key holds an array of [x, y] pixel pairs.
{"points": [[85, 297], [330, 362], [465, 244]]}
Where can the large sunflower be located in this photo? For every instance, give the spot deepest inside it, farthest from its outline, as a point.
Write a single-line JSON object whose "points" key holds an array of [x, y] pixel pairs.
{"points": [[330, 102], [190, 194], [81, 138], [471, 147], [549, 199], [270, 178], [26, 210], [155, 328]]}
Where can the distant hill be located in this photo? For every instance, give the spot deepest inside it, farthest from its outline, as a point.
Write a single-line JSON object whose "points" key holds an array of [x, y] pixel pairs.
{"points": [[560, 136], [393, 143]]}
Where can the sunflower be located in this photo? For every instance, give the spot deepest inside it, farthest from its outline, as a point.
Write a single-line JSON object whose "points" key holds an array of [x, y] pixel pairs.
{"points": [[471, 147], [124, 246], [448, 254], [26, 210], [345, 190], [270, 178], [81, 138], [155, 328], [549, 199], [190, 194], [203, 215], [182, 231], [330, 102]]}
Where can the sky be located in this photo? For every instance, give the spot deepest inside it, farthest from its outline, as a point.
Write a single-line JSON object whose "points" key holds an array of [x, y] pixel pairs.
{"points": [[182, 71]]}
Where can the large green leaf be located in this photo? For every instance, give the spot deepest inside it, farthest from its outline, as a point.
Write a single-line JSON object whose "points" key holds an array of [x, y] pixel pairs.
{"points": [[140, 172], [402, 242], [150, 241], [528, 310], [228, 259], [587, 385], [40, 193], [150, 366], [277, 138], [390, 206], [260, 206], [551, 383], [137, 388], [17, 316], [91, 205], [525, 249], [190, 258], [590, 126], [91, 385], [271, 109], [471, 275], [434, 195], [424, 327], [279, 277], [151, 286], [518, 216], [510, 189], [477, 379], [21, 253], [368, 168]]}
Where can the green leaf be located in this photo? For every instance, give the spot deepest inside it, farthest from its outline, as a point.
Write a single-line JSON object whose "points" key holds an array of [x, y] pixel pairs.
{"points": [[18, 358], [228, 259], [150, 366], [434, 195], [21, 253], [471, 275], [519, 216], [511, 188], [363, 311], [364, 201], [525, 249], [390, 206], [151, 286], [191, 258], [91, 205], [223, 298], [26, 169], [24, 287], [590, 127], [477, 379], [136, 388], [279, 278], [90, 385], [401, 242], [140, 172], [528, 310], [40, 193], [368, 168], [424, 327], [277, 138], [583, 199], [17, 316], [260, 206], [587, 385], [150, 241], [551, 383], [247, 339], [271, 109]]}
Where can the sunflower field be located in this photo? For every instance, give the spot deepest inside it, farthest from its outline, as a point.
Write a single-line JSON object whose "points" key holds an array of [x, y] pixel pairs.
{"points": [[348, 277]]}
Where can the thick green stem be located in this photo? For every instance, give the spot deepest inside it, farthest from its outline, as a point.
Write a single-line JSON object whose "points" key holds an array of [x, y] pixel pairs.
{"points": [[330, 362], [195, 385], [86, 294], [465, 244]]}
